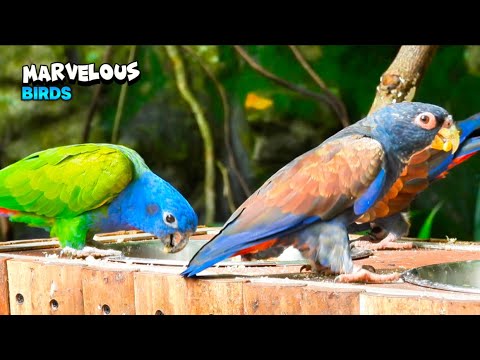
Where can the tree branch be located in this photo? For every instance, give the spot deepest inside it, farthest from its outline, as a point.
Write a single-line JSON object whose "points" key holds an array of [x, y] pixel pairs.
{"points": [[339, 105], [182, 85], [121, 101], [227, 192], [95, 98], [403, 76], [226, 122], [298, 89], [307, 67]]}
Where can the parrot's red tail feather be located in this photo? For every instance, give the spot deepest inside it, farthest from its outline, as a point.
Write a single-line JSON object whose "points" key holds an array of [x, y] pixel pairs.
{"points": [[7, 212], [256, 248], [454, 163], [460, 160]]}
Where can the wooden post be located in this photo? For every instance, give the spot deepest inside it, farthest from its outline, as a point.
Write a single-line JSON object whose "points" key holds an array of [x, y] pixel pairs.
{"points": [[108, 291], [215, 297], [173, 295], [44, 288], [157, 294], [298, 299], [4, 295], [385, 304]]}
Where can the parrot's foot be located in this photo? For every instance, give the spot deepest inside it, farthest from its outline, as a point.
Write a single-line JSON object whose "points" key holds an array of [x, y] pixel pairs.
{"points": [[388, 243], [361, 274], [356, 253], [88, 251]]}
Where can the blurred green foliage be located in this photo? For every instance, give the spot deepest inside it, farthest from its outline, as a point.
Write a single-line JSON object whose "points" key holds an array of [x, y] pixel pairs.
{"points": [[160, 126], [426, 228]]}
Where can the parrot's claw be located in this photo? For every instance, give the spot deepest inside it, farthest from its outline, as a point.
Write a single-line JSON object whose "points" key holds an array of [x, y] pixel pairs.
{"points": [[317, 269], [306, 268], [88, 251], [364, 275]]}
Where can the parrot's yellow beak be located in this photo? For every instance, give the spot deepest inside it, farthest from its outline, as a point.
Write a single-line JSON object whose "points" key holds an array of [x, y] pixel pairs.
{"points": [[447, 139]]}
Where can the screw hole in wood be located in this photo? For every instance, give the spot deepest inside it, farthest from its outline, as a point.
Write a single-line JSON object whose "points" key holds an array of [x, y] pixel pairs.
{"points": [[54, 305], [105, 309], [19, 298]]}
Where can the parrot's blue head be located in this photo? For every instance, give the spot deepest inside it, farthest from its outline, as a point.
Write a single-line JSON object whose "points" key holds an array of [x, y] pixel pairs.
{"points": [[408, 127], [154, 206]]}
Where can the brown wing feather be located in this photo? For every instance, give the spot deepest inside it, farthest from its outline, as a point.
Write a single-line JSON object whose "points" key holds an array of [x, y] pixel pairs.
{"points": [[322, 182]]}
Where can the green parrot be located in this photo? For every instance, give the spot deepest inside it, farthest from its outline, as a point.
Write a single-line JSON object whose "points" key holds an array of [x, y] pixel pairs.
{"points": [[78, 190]]}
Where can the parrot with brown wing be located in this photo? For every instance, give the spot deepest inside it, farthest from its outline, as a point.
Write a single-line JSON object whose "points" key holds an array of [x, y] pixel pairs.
{"points": [[311, 201]]}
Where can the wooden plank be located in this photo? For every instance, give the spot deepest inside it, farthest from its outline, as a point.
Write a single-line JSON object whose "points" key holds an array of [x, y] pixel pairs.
{"points": [[215, 297], [108, 291], [20, 275], [382, 304], [285, 299], [4, 294], [57, 289], [45, 288], [157, 293]]}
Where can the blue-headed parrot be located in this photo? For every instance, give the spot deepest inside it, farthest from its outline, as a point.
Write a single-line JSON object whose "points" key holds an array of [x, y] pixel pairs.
{"points": [[78, 190], [311, 201]]}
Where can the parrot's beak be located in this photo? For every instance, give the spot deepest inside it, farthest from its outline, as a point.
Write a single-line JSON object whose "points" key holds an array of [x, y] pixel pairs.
{"points": [[175, 242], [447, 139]]}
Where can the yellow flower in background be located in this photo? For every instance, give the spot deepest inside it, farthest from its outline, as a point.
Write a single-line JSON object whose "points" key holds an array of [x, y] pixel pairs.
{"points": [[254, 101]]}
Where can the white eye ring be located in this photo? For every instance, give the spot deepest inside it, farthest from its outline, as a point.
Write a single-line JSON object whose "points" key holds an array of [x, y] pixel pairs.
{"points": [[170, 220]]}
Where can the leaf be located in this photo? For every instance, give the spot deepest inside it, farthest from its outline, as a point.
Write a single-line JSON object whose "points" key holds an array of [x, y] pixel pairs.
{"points": [[426, 228], [254, 101]]}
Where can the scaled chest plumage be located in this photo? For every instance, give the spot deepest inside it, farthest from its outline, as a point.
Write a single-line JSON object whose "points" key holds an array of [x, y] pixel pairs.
{"points": [[423, 168]]}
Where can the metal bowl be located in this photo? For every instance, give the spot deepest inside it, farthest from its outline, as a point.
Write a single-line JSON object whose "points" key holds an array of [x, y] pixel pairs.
{"points": [[462, 276]]}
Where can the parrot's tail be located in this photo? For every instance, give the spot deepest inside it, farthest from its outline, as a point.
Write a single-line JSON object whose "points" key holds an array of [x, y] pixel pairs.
{"points": [[257, 248], [7, 213], [469, 127], [469, 146], [468, 149], [236, 239], [219, 248]]}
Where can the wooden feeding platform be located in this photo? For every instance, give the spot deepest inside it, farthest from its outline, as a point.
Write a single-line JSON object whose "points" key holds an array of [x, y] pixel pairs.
{"points": [[35, 280]]}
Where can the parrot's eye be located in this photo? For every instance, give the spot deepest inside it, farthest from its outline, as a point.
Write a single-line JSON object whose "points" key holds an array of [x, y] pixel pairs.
{"points": [[426, 120], [169, 219]]}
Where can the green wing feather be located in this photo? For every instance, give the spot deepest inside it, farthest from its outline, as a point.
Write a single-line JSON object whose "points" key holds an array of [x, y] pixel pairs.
{"points": [[69, 180]]}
